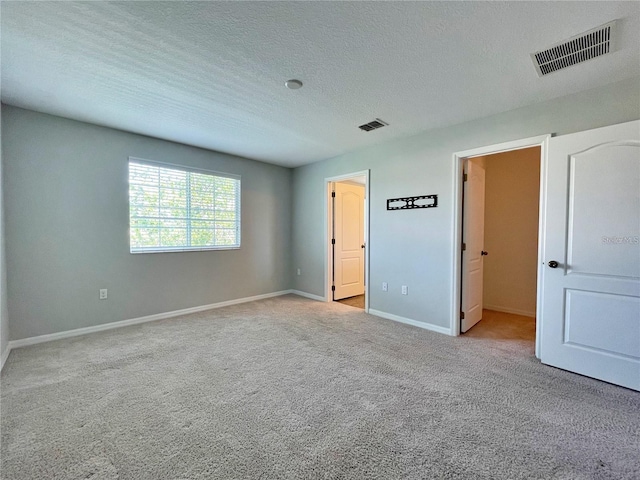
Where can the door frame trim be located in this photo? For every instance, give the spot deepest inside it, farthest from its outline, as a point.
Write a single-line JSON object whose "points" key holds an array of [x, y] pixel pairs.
{"points": [[541, 141], [328, 215]]}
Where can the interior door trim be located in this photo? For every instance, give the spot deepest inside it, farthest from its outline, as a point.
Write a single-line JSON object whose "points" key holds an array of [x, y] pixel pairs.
{"points": [[328, 213], [541, 141]]}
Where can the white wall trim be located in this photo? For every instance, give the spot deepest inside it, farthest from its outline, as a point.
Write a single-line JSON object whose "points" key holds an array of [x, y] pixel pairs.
{"points": [[328, 262], [23, 342], [515, 311], [409, 321], [308, 295], [5, 355], [541, 141]]}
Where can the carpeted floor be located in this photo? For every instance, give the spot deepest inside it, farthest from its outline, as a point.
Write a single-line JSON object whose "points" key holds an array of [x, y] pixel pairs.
{"points": [[506, 327], [357, 301], [289, 388]]}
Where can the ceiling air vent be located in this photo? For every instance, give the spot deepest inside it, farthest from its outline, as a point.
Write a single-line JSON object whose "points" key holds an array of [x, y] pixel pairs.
{"points": [[377, 123], [578, 49]]}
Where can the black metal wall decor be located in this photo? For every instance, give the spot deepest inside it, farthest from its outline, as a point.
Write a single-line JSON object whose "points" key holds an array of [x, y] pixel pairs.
{"points": [[405, 203]]}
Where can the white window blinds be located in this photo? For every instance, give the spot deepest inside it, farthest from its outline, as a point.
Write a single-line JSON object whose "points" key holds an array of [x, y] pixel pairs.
{"points": [[175, 208]]}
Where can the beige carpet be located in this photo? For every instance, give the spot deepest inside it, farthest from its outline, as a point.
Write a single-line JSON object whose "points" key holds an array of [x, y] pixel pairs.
{"points": [[505, 326], [289, 388], [357, 301]]}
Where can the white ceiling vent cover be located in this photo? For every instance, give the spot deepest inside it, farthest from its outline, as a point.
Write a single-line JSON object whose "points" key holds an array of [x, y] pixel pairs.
{"points": [[578, 49], [377, 123]]}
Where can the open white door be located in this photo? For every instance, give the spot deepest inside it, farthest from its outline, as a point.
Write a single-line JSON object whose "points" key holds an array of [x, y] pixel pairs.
{"points": [[348, 250], [590, 321], [473, 239]]}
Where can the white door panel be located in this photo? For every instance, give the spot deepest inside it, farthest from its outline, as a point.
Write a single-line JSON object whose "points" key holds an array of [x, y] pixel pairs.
{"points": [[604, 211], [350, 268], [583, 326], [590, 320], [473, 237], [349, 239]]}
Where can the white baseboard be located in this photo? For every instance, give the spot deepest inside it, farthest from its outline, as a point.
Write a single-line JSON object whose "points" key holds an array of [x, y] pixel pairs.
{"points": [[4, 357], [308, 295], [409, 321], [515, 311], [23, 342]]}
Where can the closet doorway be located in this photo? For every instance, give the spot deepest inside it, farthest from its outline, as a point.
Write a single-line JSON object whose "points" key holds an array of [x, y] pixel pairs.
{"points": [[500, 218]]}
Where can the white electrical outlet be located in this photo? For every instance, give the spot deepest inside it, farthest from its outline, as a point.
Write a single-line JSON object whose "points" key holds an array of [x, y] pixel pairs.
{"points": [[385, 286], [103, 294], [298, 272], [405, 290]]}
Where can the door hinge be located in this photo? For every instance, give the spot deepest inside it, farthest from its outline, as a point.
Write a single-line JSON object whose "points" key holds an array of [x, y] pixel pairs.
{"points": [[464, 246], [333, 288], [461, 315], [333, 194], [333, 241], [464, 177]]}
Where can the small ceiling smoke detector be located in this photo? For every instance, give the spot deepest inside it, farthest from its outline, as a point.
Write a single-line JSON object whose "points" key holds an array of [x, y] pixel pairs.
{"points": [[377, 123], [293, 84], [594, 43]]}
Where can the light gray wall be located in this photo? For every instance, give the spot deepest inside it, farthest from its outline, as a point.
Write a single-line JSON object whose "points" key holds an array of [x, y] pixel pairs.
{"points": [[67, 219], [415, 247], [4, 314]]}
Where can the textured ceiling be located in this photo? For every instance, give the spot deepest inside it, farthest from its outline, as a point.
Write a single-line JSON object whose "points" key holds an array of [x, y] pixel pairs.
{"points": [[211, 74]]}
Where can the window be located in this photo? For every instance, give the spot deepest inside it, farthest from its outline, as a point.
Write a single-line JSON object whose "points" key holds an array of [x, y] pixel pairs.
{"points": [[174, 209]]}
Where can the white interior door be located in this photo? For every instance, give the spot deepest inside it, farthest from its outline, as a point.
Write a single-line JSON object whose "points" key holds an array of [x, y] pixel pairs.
{"points": [[473, 238], [590, 320], [349, 240]]}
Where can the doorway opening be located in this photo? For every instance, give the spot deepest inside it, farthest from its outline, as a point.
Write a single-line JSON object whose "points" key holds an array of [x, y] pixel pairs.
{"points": [[346, 234], [499, 194], [500, 244]]}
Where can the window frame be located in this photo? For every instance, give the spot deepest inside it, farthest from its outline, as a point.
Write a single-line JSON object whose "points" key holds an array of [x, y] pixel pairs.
{"points": [[188, 169]]}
